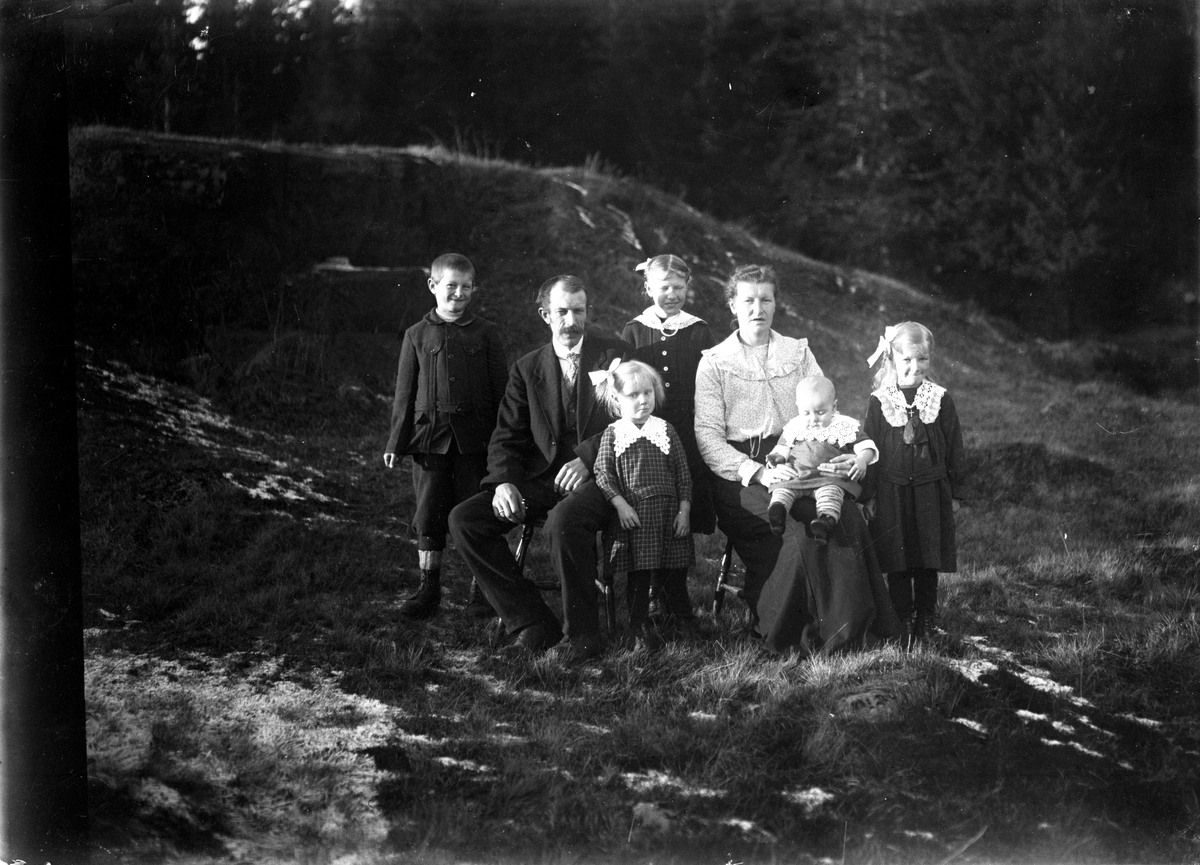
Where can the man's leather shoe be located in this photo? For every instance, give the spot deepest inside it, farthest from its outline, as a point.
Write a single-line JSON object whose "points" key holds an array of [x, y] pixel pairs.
{"points": [[536, 638], [576, 650]]}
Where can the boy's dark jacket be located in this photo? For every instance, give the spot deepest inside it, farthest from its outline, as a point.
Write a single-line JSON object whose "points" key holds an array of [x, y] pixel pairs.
{"points": [[450, 379], [531, 420]]}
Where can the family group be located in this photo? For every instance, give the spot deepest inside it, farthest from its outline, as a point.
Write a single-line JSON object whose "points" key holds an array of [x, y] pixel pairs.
{"points": [[666, 433]]}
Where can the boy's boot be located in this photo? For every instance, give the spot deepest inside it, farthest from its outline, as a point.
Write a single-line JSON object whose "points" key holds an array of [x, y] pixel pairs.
{"points": [[477, 605], [637, 599], [424, 602], [821, 528]]}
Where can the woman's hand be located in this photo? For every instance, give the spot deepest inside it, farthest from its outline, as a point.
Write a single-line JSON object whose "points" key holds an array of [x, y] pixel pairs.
{"points": [[844, 466]]}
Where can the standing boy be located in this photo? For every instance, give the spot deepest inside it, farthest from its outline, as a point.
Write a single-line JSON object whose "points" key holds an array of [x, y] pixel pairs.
{"points": [[449, 384]]}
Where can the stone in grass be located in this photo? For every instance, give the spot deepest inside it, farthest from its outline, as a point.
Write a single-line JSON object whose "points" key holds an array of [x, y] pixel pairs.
{"points": [[649, 819], [870, 704]]}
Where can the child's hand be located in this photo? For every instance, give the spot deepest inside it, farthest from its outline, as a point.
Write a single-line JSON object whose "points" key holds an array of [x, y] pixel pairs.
{"points": [[777, 474], [683, 525], [628, 516], [389, 460]]}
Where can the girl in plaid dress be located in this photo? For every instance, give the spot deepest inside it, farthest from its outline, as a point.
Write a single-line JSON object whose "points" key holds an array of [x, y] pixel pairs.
{"points": [[642, 469]]}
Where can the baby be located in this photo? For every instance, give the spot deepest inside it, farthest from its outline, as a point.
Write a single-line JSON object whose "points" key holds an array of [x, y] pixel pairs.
{"points": [[814, 437]]}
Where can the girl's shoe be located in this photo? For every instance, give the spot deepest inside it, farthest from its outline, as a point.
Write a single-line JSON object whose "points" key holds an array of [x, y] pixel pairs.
{"points": [[922, 628], [647, 637]]}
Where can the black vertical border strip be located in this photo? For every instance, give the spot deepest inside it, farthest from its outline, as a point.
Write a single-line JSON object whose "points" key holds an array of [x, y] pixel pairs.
{"points": [[44, 759]]}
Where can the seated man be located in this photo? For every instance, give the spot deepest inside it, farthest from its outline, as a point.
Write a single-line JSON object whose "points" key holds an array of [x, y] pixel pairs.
{"points": [[540, 462]]}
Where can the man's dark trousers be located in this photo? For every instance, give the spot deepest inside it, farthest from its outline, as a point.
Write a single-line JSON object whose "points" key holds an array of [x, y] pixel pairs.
{"points": [[571, 525]]}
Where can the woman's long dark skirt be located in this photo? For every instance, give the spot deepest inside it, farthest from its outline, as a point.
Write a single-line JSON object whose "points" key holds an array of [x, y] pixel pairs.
{"points": [[803, 596]]}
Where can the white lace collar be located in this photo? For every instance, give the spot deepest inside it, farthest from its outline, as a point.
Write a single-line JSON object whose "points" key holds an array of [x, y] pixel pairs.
{"points": [[927, 401], [733, 356], [842, 430], [669, 326], [654, 430]]}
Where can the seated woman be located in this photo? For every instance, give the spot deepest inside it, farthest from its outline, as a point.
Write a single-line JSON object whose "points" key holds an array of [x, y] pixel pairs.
{"points": [[802, 595]]}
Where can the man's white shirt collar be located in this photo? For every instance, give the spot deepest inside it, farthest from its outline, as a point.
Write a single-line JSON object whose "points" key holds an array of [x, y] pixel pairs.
{"points": [[562, 353]]}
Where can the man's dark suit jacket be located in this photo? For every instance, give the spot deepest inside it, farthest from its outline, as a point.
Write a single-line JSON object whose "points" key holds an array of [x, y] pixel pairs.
{"points": [[531, 420]]}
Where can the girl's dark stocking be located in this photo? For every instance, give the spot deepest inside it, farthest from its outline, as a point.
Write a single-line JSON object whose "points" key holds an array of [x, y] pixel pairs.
{"points": [[637, 595], [925, 583], [900, 589]]}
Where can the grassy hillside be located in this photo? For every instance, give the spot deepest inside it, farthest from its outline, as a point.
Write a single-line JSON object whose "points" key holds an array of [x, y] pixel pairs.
{"points": [[252, 695]]}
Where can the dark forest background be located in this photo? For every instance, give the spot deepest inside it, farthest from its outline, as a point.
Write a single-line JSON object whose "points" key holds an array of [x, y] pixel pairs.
{"points": [[1037, 159]]}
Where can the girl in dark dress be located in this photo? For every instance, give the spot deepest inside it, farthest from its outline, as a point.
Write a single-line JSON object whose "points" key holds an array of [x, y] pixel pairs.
{"points": [[911, 490], [670, 340]]}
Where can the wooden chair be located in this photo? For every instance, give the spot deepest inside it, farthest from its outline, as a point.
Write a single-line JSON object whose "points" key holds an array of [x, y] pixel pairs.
{"points": [[723, 585], [604, 577]]}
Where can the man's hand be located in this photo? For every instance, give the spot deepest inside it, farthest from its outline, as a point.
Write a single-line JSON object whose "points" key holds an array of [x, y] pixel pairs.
{"points": [[507, 503], [570, 476]]}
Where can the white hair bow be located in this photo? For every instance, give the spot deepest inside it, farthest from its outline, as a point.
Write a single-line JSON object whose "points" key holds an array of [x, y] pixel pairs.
{"points": [[884, 347], [599, 375], [644, 265]]}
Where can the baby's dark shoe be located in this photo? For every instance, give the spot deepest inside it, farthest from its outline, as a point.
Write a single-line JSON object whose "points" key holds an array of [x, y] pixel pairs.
{"points": [[822, 527], [777, 517]]}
